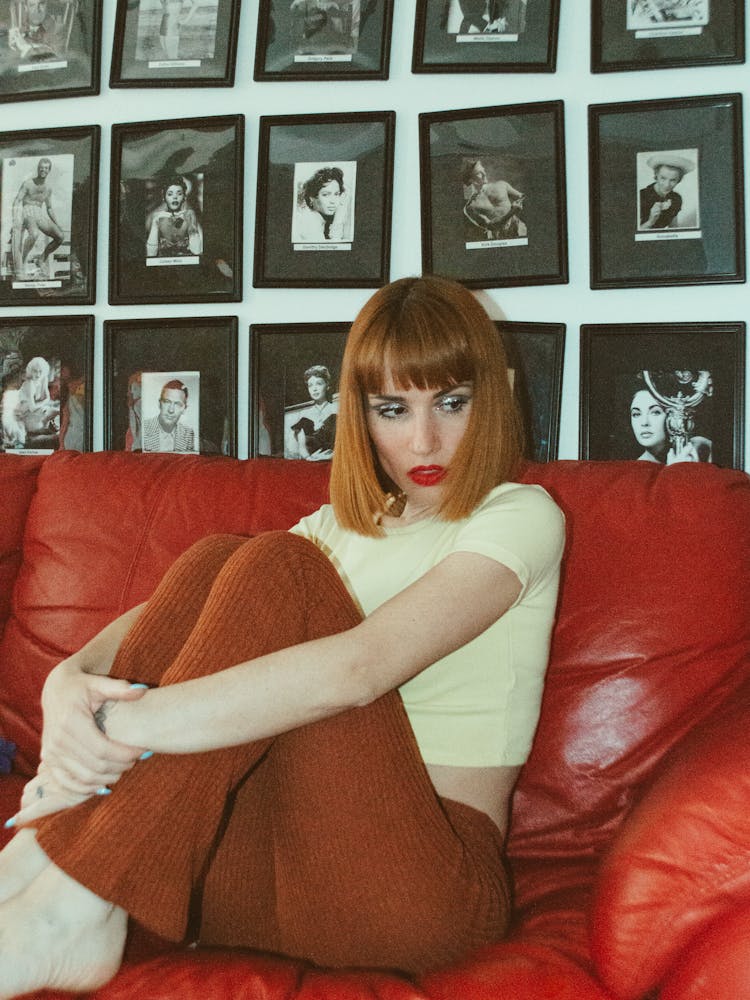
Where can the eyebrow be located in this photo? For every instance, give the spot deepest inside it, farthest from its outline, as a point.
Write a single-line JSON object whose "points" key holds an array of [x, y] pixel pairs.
{"points": [[463, 387]]}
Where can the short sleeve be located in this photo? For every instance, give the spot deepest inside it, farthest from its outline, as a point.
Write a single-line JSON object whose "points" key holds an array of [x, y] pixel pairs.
{"points": [[520, 526]]}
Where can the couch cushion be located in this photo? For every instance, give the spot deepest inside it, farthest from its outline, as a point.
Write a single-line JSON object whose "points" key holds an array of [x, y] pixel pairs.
{"points": [[653, 631], [102, 529]]}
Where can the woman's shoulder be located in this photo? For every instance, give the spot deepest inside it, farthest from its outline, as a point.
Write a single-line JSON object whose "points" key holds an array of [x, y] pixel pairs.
{"points": [[524, 497]]}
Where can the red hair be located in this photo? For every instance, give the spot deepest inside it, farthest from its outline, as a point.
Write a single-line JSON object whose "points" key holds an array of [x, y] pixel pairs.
{"points": [[428, 332]]}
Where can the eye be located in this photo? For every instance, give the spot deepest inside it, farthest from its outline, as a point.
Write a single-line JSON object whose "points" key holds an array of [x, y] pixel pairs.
{"points": [[454, 404], [389, 411]]}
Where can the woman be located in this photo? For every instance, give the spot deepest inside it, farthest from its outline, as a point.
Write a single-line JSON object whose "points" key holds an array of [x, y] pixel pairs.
{"points": [[323, 212], [312, 434], [648, 420], [174, 229], [368, 685]]}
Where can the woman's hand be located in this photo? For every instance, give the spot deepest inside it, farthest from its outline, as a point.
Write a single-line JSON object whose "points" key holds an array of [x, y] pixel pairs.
{"points": [[42, 796], [78, 757]]}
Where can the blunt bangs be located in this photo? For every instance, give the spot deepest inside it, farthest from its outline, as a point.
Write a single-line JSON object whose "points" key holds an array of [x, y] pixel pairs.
{"points": [[419, 347]]}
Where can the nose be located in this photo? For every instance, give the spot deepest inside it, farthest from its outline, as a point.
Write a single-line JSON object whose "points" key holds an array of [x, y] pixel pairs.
{"points": [[424, 438]]}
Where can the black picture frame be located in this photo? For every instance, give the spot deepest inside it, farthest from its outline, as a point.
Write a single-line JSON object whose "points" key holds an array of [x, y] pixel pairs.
{"points": [[317, 43], [46, 383], [195, 47], [49, 53], [200, 351], [62, 270], [626, 35], [449, 39], [198, 246], [535, 353], [698, 238], [281, 354], [493, 194], [293, 240], [614, 358]]}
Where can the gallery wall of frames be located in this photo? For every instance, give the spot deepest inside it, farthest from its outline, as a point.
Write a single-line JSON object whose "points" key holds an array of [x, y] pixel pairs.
{"points": [[197, 196]]}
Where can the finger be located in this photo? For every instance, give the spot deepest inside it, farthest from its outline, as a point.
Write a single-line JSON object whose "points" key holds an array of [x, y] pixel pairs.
{"points": [[106, 688]]}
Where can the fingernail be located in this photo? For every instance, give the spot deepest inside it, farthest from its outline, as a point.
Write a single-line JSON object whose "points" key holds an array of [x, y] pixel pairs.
{"points": [[10, 823], [104, 791], [146, 754], [139, 685]]}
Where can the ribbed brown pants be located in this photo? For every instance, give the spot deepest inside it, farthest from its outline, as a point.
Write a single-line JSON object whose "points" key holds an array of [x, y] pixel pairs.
{"points": [[327, 842]]}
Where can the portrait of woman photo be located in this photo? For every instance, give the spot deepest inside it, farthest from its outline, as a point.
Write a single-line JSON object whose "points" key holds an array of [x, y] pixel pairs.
{"points": [[173, 228], [30, 405], [310, 429], [663, 430], [324, 202], [666, 14]]}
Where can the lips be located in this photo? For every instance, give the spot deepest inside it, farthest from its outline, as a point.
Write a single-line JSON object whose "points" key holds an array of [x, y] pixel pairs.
{"points": [[427, 475]]}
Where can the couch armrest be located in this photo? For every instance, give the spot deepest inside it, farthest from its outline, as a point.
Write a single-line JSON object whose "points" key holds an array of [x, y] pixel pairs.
{"points": [[682, 858]]}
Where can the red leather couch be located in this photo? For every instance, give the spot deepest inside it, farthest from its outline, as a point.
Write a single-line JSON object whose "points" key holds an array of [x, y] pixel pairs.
{"points": [[630, 843]]}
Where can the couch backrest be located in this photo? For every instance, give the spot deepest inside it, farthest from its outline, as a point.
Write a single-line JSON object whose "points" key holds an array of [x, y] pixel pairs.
{"points": [[18, 475], [101, 531], [653, 626]]}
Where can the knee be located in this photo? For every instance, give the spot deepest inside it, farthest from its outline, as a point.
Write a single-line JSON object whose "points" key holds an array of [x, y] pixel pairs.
{"points": [[290, 561]]}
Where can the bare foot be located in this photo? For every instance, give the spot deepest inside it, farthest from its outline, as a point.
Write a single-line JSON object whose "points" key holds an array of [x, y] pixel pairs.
{"points": [[21, 860], [56, 934]]}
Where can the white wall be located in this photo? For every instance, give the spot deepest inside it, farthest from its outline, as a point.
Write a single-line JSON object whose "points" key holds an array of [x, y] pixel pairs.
{"points": [[408, 94]]}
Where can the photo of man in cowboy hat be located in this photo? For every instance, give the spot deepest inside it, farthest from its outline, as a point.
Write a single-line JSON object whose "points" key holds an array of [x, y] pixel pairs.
{"points": [[660, 204]]}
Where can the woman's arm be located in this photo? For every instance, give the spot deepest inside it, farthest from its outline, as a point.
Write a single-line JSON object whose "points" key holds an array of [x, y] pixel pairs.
{"points": [[442, 611]]}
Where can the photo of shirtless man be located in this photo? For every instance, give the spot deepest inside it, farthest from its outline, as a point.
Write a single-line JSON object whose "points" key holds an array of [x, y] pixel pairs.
{"points": [[33, 216], [492, 209]]}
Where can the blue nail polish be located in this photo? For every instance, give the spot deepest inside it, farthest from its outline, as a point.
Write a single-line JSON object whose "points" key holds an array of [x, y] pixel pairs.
{"points": [[10, 823], [146, 754], [139, 685], [104, 791]]}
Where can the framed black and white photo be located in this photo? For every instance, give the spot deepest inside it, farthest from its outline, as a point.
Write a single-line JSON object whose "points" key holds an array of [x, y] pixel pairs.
{"points": [[49, 48], [661, 34], [493, 195], [663, 392], [323, 40], [323, 207], [176, 211], [485, 36], [666, 197], [175, 43], [49, 182], [46, 395], [535, 358], [294, 392], [171, 385]]}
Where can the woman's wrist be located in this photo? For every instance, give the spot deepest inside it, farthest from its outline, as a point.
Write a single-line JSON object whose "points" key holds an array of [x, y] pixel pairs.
{"points": [[121, 721]]}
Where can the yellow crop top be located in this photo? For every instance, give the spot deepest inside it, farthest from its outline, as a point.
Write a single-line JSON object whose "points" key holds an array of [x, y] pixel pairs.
{"points": [[479, 706]]}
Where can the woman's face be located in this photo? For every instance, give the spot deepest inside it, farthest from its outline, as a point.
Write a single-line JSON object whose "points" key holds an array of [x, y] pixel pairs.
{"points": [[648, 420], [415, 433], [174, 197], [318, 388], [327, 200]]}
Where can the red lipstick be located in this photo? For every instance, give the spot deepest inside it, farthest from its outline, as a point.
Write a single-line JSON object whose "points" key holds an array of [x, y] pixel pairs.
{"points": [[427, 475]]}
